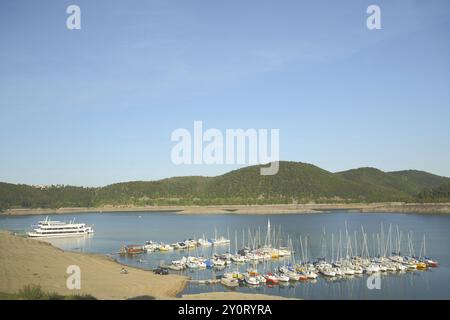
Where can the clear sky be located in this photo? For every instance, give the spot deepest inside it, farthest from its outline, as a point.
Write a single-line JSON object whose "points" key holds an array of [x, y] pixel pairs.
{"points": [[98, 105]]}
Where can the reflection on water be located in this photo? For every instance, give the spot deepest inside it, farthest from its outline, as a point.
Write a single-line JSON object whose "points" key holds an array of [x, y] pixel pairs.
{"points": [[79, 244], [112, 230]]}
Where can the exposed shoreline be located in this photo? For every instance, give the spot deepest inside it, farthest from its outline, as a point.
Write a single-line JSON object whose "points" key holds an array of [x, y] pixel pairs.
{"points": [[387, 207], [33, 262]]}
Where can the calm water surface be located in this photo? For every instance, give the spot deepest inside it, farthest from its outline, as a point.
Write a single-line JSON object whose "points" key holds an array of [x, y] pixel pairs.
{"points": [[112, 230]]}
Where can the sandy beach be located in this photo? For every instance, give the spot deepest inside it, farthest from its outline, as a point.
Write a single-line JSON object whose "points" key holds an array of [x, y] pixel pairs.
{"points": [[395, 207], [27, 261]]}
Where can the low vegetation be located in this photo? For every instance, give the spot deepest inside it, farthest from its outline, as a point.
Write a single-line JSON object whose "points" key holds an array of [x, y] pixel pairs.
{"points": [[35, 292]]}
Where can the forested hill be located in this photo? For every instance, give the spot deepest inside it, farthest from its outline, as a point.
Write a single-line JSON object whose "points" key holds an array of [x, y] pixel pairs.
{"points": [[295, 182], [436, 195]]}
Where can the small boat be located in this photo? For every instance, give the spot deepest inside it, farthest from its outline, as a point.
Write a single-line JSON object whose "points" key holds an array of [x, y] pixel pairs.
{"points": [[284, 252], [372, 268], [253, 281], [391, 267], [151, 246], [400, 267], [338, 272], [431, 263], [235, 275], [292, 275], [327, 272], [252, 257], [261, 278], [237, 258], [383, 268], [426, 260], [220, 241], [192, 265], [165, 248], [283, 278], [219, 263], [182, 261], [175, 267], [204, 242], [310, 274], [180, 245], [302, 277], [229, 282], [132, 249], [348, 271], [358, 269], [411, 266], [421, 265], [271, 278]]}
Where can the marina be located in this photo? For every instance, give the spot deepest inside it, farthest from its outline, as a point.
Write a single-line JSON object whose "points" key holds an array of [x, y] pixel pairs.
{"points": [[311, 256], [345, 260]]}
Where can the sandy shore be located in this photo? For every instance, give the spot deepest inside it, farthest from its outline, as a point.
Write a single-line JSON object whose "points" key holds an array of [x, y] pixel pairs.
{"points": [[396, 207], [25, 261]]}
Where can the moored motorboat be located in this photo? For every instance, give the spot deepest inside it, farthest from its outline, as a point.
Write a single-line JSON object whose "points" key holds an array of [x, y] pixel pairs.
{"points": [[229, 282], [310, 274], [282, 278], [271, 278], [132, 249], [251, 280]]}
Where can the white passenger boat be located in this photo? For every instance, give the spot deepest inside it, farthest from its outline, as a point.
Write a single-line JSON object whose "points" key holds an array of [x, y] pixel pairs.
{"points": [[58, 229]]}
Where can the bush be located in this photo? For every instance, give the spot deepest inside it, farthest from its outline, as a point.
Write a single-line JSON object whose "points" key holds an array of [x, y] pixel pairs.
{"points": [[35, 292], [31, 292]]}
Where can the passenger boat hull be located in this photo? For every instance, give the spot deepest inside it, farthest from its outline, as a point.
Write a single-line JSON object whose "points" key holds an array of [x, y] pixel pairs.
{"points": [[38, 235]]}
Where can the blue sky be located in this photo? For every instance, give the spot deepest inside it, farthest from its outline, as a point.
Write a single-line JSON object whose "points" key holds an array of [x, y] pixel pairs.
{"points": [[98, 105]]}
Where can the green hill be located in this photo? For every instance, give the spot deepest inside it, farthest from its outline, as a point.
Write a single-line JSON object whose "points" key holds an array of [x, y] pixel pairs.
{"points": [[402, 184], [420, 179], [20, 195], [295, 182]]}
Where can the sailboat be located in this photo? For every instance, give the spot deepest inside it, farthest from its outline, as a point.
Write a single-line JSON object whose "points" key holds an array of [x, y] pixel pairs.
{"points": [[421, 265], [427, 260], [237, 258]]}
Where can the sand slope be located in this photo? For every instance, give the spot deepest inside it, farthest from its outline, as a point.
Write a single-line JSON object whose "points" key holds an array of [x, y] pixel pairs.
{"points": [[26, 261]]}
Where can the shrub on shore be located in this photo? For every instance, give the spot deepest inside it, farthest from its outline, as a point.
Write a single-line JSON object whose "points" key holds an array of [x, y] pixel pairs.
{"points": [[35, 292], [31, 292]]}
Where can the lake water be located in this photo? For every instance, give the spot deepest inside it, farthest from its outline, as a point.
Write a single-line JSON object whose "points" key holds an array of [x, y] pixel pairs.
{"points": [[112, 230]]}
